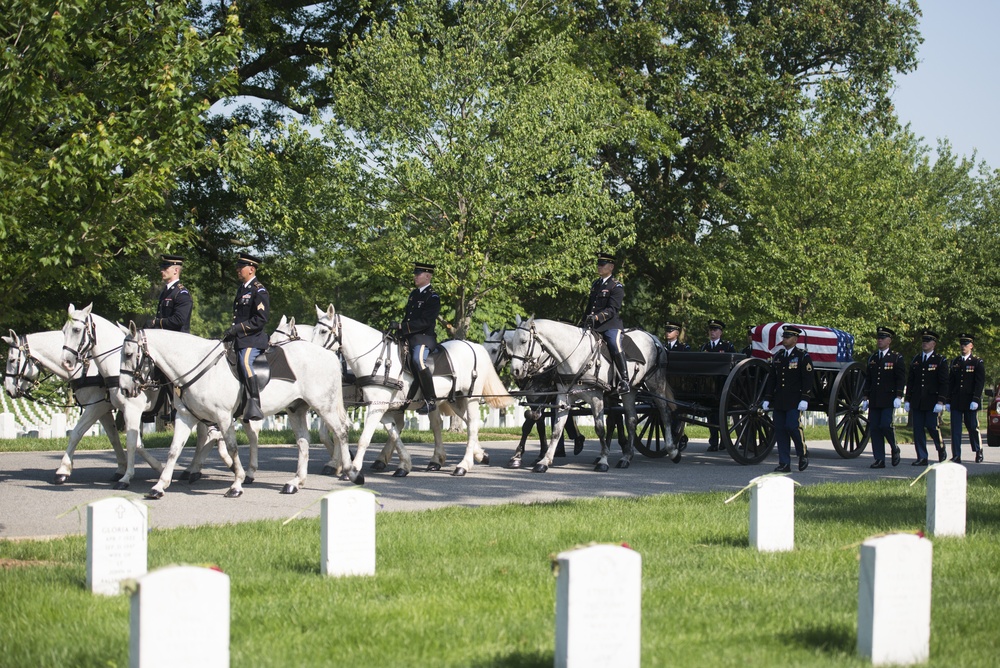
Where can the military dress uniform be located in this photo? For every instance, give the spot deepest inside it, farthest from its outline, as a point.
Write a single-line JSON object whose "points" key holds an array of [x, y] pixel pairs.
{"points": [[926, 395], [788, 387], [885, 381], [418, 329], [251, 310], [603, 315], [173, 311], [676, 346], [720, 346], [965, 389]]}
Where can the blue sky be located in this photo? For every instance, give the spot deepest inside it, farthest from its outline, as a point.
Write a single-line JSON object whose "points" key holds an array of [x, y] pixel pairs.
{"points": [[955, 91]]}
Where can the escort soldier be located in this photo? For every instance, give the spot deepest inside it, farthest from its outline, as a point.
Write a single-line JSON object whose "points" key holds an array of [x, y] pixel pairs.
{"points": [[672, 338], [417, 328], [965, 390], [716, 344], [603, 315], [173, 311], [883, 393], [926, 395], [251, 309], [786, 392]]}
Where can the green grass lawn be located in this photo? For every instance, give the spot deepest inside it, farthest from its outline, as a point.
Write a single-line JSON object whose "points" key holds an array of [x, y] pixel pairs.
{"points": [[474, 587]]}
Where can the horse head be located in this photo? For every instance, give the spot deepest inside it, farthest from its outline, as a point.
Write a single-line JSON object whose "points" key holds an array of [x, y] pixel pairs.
{"points": [[523, 349], [23, 370], [136, 364], [327, 331], [79, 336]]}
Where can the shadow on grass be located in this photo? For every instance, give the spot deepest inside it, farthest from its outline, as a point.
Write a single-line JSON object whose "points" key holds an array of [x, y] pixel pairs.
{"points": [[833, 640], [518, 660], [724, 541]]}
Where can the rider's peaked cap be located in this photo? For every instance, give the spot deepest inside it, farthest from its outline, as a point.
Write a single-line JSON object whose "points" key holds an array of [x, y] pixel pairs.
{"points": [[605, 257], [170, 260], [716, 323], [248, 260], [421, 267]]}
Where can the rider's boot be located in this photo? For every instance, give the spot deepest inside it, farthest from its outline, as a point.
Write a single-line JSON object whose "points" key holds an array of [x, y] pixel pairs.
{"points": [[252, 411], [426, 381], [622, 366]]}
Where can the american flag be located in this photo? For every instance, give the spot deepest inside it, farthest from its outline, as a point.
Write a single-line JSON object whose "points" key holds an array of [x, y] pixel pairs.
{"points": [[824, 344]]}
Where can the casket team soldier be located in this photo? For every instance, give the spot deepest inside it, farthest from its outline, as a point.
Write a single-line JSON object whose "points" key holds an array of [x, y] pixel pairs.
{"points": [[965, 387], [883, 393], [672, 338], [787, 390], [926, 395], [716, 344]]}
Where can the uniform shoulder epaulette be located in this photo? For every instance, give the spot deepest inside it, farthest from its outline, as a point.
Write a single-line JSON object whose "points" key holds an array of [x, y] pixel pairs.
{"points": [[181, 288], [258, 285]]}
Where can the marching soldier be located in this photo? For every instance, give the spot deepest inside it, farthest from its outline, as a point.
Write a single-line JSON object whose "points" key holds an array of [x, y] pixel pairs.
{"points": [[716, 344], [417, 327], [603, 315], [787, 392], [671, 336], [883, 393], [251, 309], [173, 311], [967, 379], [926, 395]]}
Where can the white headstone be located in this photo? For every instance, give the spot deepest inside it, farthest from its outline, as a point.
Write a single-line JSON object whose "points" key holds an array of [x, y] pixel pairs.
{"points": [[347, 533], [423, 423], [116, 543], [597, 584], [894, 599], [8, 427], [45, 432], [946, 499], [772, 514], [180, 617], [58, 423]]}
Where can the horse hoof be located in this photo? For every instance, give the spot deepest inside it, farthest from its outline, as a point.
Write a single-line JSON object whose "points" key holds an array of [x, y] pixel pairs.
{"points": [[193, 477], [485, 461], [433, 466], [328, 470], [514, 463], [117, 476], [235, 493], [185, 475], [289, 488], [359, 479], [378, 465], [676, 458], [344, 477], [121, 485], [622, 464], [597, 461], [578, 443], [155, 494], [400, 473], [246, 481], [540, 468], [601, 468], [60, 479], [459, 471]]}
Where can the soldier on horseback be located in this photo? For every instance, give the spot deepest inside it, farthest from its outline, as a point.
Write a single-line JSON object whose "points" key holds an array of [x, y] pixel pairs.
{"points": [[173, 312], [603, 314], [251, 308], [417, 327]]}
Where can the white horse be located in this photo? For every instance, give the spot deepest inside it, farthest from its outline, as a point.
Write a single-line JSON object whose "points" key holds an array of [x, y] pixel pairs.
{"points": [[376, 360], [582, 373], [31, 353], [208, 390], [288, 330], [89, 338]]}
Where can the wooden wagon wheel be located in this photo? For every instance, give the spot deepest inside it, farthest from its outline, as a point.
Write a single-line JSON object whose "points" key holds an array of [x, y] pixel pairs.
{"points": [[747, 430], [650, 437], [848, 423]]}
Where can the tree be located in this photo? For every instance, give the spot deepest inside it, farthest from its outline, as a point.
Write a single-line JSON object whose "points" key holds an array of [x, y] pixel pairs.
{"points": [[100, 112], [468, 139]]}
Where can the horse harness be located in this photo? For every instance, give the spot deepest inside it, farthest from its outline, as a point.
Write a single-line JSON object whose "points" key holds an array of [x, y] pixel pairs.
{"points": [[29, 371]]}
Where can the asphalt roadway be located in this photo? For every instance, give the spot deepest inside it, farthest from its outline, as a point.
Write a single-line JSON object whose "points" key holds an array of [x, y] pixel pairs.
{"points": [[32, 507]]}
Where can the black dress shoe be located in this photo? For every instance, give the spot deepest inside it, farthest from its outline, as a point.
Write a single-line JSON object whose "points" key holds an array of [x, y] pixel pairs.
{"points": [[942, 455], [895, 456], [919, 462], [783, 468], [714, 447], [957, 459], [879, 464], [979, 456], [803, 463]]}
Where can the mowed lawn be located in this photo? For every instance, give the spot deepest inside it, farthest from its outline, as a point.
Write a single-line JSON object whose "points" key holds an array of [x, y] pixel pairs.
{"points": [[474, 587]]}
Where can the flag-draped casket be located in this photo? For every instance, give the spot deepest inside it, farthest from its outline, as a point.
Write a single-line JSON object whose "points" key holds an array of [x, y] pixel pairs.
{"points": [[824, 344]]}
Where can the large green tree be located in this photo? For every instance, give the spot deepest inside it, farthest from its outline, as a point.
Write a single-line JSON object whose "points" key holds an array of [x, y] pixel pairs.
{"points": [[101, 105]]}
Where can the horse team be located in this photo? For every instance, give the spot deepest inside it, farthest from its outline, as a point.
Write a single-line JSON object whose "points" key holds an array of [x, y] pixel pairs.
{"points": [[112, 367]]}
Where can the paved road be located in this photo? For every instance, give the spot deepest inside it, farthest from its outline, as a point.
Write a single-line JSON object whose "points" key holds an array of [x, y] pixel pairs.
{"points": [[31, 506]]}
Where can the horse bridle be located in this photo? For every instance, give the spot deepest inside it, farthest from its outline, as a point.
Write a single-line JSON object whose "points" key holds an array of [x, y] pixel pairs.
{"points": [[534, 363], [334, 334], [142, 370], [28, 369], [87, 341]]}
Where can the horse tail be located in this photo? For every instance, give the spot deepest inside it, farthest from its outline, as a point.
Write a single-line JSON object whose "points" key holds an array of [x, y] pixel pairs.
{"points": [[494, 391]]}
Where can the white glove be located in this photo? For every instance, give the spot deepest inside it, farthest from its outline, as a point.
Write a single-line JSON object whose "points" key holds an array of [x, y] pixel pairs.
{"points": [[906, 407], [803, 405], [897, 402], [864, 404], [938, 408], [766, 405], [973, 406], [947, 407]]}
